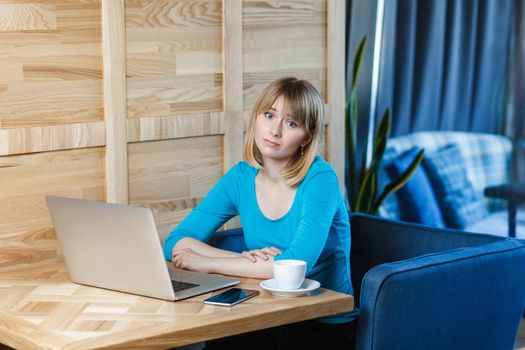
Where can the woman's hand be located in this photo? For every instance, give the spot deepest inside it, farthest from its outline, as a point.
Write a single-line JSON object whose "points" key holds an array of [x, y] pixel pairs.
{"points": [[188, 259], [263, 253]]}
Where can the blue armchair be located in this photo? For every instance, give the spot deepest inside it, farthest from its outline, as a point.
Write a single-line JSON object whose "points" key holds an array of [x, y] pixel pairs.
{"points": [[425, 288]]}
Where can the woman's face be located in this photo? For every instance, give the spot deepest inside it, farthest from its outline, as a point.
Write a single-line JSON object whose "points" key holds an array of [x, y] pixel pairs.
{"points": [[277, 135]]}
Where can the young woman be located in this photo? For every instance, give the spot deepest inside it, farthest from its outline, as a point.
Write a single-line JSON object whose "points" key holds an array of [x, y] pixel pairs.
{"points": [[289, 204]]}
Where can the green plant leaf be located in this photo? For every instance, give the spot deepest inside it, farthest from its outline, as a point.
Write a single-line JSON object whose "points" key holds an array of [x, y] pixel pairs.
{"points": [[399, 182], [351, 119], [367, 192], [351, 146], [364, 166], [379, 145], [358, 60], [380, 141]]}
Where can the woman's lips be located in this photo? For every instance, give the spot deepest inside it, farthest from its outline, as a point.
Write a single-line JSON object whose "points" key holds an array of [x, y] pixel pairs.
{"points": [[271, 144]]}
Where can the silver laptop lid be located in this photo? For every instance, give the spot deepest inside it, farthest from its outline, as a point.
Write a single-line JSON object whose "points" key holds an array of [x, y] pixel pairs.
{"points": [[111, 246]]}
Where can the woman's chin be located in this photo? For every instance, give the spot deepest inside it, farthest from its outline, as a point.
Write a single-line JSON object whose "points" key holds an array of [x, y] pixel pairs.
{"points": [[276, 157]]}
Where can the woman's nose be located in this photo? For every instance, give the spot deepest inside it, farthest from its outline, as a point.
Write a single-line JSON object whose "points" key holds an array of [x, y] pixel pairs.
{"points": [[275, 130]]}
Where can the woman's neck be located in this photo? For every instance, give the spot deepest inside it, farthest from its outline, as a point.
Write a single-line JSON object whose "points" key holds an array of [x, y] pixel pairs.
{"points": [[271, 172]]}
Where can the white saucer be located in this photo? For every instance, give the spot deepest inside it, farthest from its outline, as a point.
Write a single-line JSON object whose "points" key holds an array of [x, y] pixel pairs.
{"points": [[306, 287]]}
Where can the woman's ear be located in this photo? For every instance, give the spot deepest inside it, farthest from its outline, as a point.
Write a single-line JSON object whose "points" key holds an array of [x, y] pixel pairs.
{"points": [[306, 141]]}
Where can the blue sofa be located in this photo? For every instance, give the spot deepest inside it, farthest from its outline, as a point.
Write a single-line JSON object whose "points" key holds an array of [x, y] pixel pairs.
{"points": [[486, 162], [423, 288]]}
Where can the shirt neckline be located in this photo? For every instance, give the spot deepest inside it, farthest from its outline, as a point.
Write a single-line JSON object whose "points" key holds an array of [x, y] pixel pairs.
{"points": [[282, 218]]}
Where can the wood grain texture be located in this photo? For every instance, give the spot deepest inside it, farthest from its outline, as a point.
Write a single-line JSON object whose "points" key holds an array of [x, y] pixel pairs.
{"points": [[115, 101], [63, 315], [233, 104], [51, 103], [174, 62], [51, 138], [182, 125], [336, 88], [61, 68], [26, 235], [50, 63], [172, 176], [27, 17], [283, 38], [233, 96], [79, 22], [169, 96], [173, 13]]}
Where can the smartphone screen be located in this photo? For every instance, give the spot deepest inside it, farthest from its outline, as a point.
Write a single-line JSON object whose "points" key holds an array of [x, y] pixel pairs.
{"points": [[231, 297]]}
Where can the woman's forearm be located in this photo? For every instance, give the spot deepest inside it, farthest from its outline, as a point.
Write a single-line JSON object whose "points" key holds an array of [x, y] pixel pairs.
{"points": [[191, 254], [203, 248], [240, 266]]}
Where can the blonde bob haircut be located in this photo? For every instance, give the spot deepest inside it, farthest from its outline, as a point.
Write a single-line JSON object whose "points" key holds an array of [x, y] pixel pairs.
{"points": [[306, 106]]}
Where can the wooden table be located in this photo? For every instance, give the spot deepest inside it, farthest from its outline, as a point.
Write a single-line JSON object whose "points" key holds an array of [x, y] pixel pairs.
{"points": [[53, 313], [514, 194]]}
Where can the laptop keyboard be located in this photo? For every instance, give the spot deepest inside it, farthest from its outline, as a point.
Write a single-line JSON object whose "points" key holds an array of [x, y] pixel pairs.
{"points": [[179, 285]]}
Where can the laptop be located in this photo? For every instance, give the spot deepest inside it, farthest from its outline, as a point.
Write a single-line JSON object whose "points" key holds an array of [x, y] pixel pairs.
{"points": [[117, 247]]}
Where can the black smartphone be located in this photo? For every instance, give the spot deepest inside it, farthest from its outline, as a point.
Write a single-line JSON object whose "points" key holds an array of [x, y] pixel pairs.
{"points": [[231, 297]]}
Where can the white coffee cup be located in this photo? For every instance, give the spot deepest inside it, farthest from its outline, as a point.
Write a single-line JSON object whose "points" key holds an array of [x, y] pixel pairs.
{"points": [[289, 274]]}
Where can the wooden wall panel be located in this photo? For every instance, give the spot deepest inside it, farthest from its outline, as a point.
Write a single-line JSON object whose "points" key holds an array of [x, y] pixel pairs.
{"points": [[174, 70], [171, 177], [52, 51], [336, 88], [165, 85], [51, 138], [115, 115], [173, 57], [26, 235], [183, 125], [233, 70], [168, 96], [51, 101], [283, 38], [25, 17]]}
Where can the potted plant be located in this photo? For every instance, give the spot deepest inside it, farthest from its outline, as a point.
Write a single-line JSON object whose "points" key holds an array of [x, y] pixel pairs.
{"points": [[363, 190]]}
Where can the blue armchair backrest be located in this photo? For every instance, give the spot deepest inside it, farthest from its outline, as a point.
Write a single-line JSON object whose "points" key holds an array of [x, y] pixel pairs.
{"points": [[232, 240], [468, 298], [377, 240]]}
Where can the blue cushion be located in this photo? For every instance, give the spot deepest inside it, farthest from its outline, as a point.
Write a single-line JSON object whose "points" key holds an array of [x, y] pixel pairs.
{"points": [[460, 204], [417, 199]]}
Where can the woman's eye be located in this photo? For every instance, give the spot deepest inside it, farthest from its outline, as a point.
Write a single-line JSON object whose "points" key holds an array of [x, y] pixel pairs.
{"points": [[268, 115], [291, 124]]}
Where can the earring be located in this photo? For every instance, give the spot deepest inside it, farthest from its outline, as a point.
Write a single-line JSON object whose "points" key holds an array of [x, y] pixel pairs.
{"points": [[302, 150]]}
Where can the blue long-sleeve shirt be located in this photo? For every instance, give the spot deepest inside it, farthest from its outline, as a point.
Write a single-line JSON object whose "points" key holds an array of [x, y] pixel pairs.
{"points": [[315, 229]]}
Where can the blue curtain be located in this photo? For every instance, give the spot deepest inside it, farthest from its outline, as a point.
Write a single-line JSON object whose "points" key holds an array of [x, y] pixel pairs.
{"points": [[444, 64], [516, 100]]}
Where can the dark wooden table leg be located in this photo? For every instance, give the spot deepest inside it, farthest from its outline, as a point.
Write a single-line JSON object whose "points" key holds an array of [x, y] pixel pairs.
{"points": [[512, 218]]}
